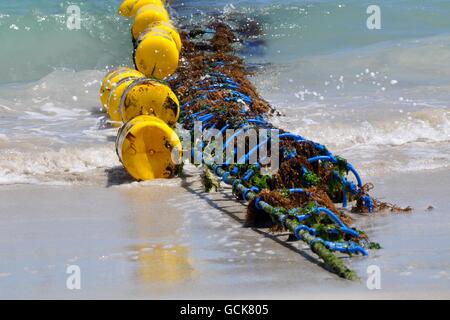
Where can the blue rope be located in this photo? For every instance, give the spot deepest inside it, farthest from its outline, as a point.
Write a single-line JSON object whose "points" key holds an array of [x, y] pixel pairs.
{"points": [[248, 190], [303, 217], [296, 190], [295, 137], [248, 175], [356, 174], [322, 158], [301, 227], [338, 221], [368, 203], [219, 81], [230, 84], [345, 247]]}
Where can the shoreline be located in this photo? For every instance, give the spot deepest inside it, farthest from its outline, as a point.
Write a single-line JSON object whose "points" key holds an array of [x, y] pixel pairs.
{"points": [[167, 239]]}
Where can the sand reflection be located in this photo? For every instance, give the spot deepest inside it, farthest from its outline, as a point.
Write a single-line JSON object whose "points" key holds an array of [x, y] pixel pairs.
{"points": [[165, 264], [161, 259]]}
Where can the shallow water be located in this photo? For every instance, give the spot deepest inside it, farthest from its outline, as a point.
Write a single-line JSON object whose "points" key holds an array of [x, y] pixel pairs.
{"points": [[378, 98]]}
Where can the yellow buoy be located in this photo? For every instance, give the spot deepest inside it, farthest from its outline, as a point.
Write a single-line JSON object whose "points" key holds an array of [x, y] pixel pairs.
{"points": [[141, 3], [157, 55], [105, 87], [147, 15], [149, 97], [126, 7], [148, 148], [111, 79], [165, 26], [113, 105]]}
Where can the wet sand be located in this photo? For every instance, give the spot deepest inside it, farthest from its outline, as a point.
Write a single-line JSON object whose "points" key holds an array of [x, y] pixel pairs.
{"points": [[169, 240]]}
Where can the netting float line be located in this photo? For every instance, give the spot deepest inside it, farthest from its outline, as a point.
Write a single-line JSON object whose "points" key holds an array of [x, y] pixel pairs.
{"points": [[212, 87]]}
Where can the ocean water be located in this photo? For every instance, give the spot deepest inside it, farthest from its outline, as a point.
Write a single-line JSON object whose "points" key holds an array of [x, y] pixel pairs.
{"points": [[378, 97]]}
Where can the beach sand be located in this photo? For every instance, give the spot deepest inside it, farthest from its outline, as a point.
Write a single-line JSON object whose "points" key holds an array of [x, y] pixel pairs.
{"points": [[131, 241]]}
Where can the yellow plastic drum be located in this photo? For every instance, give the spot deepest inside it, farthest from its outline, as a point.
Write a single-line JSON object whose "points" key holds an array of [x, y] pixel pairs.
{"points": [[112, 78], [146, 16], [126, 7], [157, 55], [148, 148], [141, 3], [148, 97], [166, 26], [113, 106]]}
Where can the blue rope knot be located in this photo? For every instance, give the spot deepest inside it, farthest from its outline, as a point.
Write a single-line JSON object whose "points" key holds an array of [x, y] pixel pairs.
{"points": [[368, 203], [338, 221], [352, 187], [349, 247], [297, 232], [344, 247], [248, 190], [354, 248], [301, 227], [350, 231], [255, 189]]}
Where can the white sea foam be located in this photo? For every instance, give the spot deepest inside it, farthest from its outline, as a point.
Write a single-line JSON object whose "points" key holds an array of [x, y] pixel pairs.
{"points": [[392, 116], [66, 165], [431, 125], [412, 142], [47, 135]]}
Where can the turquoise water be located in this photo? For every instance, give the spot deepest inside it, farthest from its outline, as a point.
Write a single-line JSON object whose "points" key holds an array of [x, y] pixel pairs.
{"points": [[35, 39]]}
